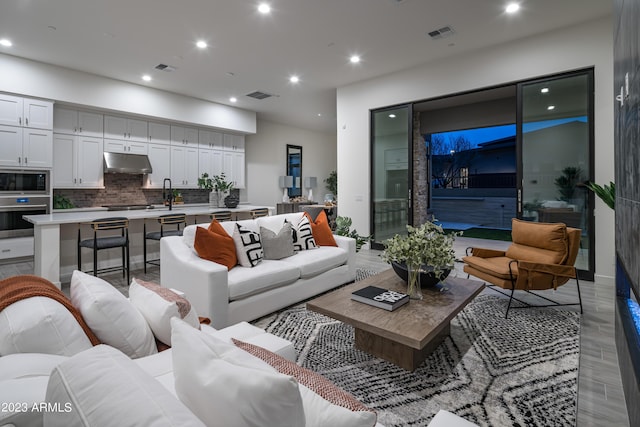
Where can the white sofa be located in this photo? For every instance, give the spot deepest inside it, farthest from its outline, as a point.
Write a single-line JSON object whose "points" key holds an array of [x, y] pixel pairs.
{"points": [[243, 293]]}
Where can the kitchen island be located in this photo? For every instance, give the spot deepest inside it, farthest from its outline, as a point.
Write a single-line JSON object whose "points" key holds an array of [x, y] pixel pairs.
{"points": [[55, 234]]}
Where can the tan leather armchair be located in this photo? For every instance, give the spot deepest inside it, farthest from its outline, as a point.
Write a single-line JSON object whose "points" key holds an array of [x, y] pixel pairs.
{"points": [[541, 257]]}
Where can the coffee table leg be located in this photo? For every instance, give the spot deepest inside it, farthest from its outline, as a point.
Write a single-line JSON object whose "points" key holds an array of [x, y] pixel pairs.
{"points": [[406, 357]]}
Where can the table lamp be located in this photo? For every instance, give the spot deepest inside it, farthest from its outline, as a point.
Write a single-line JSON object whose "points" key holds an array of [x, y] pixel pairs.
{"points": [[309, 183], [285, 182]]}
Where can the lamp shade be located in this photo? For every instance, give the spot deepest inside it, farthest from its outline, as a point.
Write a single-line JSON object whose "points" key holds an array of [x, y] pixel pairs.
{"points": [[310, 182], [286, 181]]}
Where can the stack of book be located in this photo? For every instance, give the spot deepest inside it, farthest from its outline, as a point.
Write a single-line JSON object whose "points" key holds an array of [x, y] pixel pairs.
{"points": [[382, 298]]}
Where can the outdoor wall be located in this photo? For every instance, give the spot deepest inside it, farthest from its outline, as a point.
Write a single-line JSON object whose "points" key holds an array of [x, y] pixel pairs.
{"points": [[266, 159], [40, 80], [586, 45]]}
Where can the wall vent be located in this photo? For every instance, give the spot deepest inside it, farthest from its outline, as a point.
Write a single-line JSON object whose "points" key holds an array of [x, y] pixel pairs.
{"points": [[441, 33], [259, 95], [165, 67]]}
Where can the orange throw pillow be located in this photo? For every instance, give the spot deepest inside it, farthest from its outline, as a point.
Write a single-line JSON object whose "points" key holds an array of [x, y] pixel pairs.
{"points": [[215, 245], [321, 231]]}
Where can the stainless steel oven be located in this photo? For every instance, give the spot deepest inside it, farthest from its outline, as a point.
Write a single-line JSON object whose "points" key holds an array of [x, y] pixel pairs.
{"points": [[22, 193]]}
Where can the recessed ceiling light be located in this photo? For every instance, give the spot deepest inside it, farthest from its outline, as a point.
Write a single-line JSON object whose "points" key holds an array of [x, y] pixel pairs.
{"points": [[201, 44], [551, 107], [233, 99], [354, 59], [319, 114], [146, 78], [544, 90], [6, 42], [392, 116], [264, 8], [512, 8], [294, 79]]}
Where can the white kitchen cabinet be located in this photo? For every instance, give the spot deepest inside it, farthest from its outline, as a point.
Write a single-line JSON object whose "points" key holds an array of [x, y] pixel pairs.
{"points": [[26, 112], [74, 122], [210, 162], [26, 147], [181, 135], [210, 139], [125, 146], [184, 166], [126, 129], [77, 161], [160, 159], [159, 133], [233, 142]]}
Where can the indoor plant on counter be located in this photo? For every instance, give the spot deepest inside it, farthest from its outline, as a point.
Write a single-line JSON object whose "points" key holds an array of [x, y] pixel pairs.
{"points": [[424, 256], [219, 187]]}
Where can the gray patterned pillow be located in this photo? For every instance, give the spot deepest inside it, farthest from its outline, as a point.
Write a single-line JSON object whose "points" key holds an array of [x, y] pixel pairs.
{"points": [[303, 235], [277, 246], [248, 247]]}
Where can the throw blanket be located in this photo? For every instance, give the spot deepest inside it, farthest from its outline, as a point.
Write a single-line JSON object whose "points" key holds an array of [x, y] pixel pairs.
{"points": [[18, 288]]}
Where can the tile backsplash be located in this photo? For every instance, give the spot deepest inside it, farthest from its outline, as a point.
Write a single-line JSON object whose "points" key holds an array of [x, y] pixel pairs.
{"points": [[125, 189]]}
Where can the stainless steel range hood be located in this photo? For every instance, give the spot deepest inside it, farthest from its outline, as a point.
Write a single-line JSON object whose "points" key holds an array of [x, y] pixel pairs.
{"points": [[126, 163]]}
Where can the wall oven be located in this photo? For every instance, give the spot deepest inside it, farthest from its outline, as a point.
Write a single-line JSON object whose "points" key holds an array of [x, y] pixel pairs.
{"points": [[22, 193]]}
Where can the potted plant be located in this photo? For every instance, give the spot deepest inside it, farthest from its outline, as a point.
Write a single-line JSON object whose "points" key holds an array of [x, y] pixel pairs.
{"points": [[218, 185], [343, 225], [424, 256], [606, 193]]}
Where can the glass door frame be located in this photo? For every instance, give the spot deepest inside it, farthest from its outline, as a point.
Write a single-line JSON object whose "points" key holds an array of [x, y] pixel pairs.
{"points": [[372, 213], [589, 72]]}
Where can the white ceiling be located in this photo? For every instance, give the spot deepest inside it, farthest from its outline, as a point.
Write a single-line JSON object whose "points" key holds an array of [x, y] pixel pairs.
{"points": [[124, 39]]}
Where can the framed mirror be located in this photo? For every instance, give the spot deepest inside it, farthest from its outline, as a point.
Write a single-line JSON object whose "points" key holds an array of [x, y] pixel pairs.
{"points": [[294, 169]]}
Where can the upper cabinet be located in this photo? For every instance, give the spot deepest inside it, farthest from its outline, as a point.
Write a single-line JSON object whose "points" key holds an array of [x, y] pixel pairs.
{"points": [[159, 133], [209, 139], [234, 142], [26, 112], [26, 148], [181, 135], [74, 122], [126, 129]]}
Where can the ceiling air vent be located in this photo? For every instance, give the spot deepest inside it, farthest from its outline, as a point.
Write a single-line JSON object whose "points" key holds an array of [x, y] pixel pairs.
{"points": [[259, 95], [441, 33], [165, 67]]}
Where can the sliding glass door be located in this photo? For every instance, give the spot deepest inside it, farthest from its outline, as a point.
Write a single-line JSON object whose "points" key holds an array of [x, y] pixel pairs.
{"points": [[555, 132], [391, 182]]}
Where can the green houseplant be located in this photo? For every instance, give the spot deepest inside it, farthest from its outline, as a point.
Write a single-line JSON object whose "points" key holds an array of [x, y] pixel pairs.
{"points": [[606, 193], [343, 225], [218, 185], [332, 183], [425, 249]]}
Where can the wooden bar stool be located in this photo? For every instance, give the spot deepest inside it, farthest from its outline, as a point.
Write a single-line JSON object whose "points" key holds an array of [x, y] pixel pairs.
{"points": [[164, 220], [257, 213], [107, 242], [221, 216]]}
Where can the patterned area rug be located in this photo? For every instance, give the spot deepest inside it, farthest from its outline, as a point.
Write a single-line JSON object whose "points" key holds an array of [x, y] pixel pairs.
{"points": [[493, 371]]}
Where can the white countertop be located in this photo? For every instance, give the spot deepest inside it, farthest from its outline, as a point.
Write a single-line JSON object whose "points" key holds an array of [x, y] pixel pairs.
{"points": [[73, 216]]}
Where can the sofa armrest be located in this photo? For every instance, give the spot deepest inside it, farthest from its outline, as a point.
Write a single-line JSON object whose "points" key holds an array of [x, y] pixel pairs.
{"points": [[348, 244], [203, 282]]}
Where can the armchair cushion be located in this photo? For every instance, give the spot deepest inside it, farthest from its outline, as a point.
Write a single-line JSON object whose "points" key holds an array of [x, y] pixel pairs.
{"points": [[496, 266], [538, 242]]}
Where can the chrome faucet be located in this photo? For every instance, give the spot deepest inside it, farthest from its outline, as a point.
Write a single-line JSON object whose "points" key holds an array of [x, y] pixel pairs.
{"points": [[168, 198]]}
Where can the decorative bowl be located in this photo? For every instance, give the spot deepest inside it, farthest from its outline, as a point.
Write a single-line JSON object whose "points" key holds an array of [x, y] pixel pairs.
{"points": [[427, 278]]}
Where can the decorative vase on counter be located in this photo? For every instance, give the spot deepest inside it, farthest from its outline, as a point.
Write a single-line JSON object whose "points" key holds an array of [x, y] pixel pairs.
{"points": [[232, 200], [213, 199]]}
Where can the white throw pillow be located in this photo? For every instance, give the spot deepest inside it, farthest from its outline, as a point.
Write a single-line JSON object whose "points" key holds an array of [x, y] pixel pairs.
{"points": [[303, 235], [248, 246], [113, 319], [103, 387], [158, 305], [225, 387], [40, 325], [27, 365]]}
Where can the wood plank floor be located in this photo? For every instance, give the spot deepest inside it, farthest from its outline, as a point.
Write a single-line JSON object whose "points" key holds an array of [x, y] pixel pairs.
{"points": [[600, 396]]}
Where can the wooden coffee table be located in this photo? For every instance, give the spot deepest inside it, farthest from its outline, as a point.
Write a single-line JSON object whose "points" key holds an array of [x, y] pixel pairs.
{"points": [[408, 334]]}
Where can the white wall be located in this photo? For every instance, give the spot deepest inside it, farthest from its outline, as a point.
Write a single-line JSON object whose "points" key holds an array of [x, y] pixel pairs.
{"points": [[585, 45], [266, 160], [37, 79]]}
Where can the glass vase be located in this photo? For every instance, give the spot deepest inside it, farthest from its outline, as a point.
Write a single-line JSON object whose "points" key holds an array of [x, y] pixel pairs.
{"points": [[213, 199], [413, 284]]}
